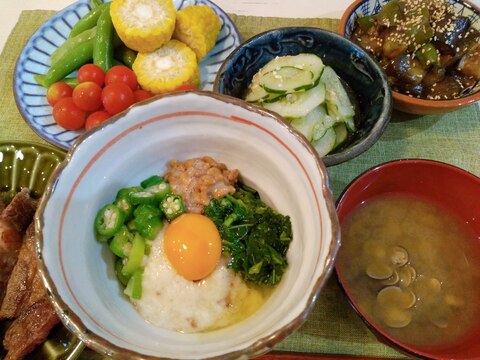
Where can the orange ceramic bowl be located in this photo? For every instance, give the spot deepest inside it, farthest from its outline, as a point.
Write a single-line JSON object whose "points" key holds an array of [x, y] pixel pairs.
{"points": [[403, 102]]}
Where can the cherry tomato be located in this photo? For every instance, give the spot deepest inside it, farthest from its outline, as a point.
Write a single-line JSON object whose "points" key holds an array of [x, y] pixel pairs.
{"points": [[91, 72], [185, 88], [68, 115], [116, 97], [87, 96], [121, 73], [141, 94], [57, 91], [96, 118]]}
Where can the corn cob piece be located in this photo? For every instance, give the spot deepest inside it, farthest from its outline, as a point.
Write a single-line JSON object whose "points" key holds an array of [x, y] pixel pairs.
{"points": [[167, 68], [143, 25], [197, 26]]}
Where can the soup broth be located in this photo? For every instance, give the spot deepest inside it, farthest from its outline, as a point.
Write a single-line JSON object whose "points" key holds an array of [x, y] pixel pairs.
{"points": [[410, 266]]}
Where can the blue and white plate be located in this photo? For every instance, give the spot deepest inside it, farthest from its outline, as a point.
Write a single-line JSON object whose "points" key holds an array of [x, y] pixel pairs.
{"points": [[34, 59]]}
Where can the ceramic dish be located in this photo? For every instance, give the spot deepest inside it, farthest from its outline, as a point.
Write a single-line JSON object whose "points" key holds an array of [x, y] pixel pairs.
{"points": [[30, 165], [451, 189], [365, 80], [34, 59], [181, 126], [404, 102]]}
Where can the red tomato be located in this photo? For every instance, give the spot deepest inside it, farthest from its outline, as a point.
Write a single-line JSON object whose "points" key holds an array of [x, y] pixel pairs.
{"points": [[96, 118], [117, 97], [68, 115], [185, 88], [88, 96], [121, 73], [141, 94], [57, 91], [91, 72]]}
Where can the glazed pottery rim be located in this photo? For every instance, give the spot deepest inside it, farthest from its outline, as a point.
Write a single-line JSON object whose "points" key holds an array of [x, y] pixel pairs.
{"points": [[381, 122], [259, 346], [380, 334], [400, 97]]}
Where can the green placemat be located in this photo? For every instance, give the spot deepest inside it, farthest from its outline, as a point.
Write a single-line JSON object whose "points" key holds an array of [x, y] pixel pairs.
{"points": [[333, 327]]}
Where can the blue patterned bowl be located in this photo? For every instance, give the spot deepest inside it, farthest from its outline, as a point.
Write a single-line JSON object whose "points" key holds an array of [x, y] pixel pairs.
{"points": [[364, 77], [403, 102], [34, 59]]}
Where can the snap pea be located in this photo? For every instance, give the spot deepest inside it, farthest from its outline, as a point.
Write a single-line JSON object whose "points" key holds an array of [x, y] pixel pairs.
{"points": [[71, 43], [69, 62], [125, 55], [103, 45], [88, 21], [95, 3], [40, 79]]}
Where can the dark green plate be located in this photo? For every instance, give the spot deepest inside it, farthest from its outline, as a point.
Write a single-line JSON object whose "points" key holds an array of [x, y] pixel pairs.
{"points": [[31, 165]]}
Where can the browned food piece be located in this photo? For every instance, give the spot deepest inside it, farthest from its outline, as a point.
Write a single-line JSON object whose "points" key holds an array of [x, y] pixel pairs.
{"points": [[369, 40], [14, 220], [449, 32], [470, 63], [25, 286], [450, 88], [199, 180], [30, 329]]}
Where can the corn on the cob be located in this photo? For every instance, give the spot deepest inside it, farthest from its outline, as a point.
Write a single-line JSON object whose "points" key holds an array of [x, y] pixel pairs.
{"points": [[167, 68], [143, 25], [197, 26]]}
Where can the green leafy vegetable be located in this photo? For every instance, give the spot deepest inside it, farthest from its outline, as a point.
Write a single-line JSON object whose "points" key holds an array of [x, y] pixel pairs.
{"points": [[254, 236]]}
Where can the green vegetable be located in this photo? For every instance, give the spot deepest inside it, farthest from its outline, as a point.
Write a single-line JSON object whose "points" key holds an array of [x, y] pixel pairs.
{"points": [[71, 43], [88, 21], [142, 197], [173, 206], [69, 62], [135, 256], [390, 13], [126, 206], [160, 191], [118, 271], [366, 22], [428, 55], [95, 3], [121, 244], [148, 221], [152, 180], [134, 286], [103, 45], [40, 79], [125, 55], [109, 220], [254, 236]]}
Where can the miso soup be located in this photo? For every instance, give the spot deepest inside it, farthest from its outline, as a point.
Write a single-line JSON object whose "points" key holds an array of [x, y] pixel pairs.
{"points": [[412, 268]]}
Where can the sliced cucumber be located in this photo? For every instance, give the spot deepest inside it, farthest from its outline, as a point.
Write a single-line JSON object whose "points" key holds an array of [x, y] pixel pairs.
{"points": [[257, 94], [282, 66], [298, 104], [341, 134], [326, 143], [287, 79], [350, 122], [309, 125], [338, 102]]}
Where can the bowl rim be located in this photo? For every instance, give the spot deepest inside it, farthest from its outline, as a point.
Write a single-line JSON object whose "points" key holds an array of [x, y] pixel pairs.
{"points": [[379, 334], [387, 106], [261, 345], [402, 98]]}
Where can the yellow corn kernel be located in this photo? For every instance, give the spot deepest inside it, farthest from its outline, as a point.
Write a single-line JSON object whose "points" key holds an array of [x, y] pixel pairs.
{"points": [[143, 25], [167, 68], [197, 26]]}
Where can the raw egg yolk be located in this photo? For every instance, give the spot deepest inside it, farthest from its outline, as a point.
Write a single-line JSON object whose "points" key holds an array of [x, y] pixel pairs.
{"points": [[193, 246]]}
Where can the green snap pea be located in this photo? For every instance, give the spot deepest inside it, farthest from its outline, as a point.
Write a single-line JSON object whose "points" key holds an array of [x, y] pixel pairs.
{"points": [[69, 63], [40, 79], [103, 45], [71, 43], [95, 3], [125, 55], [88, 21]]}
